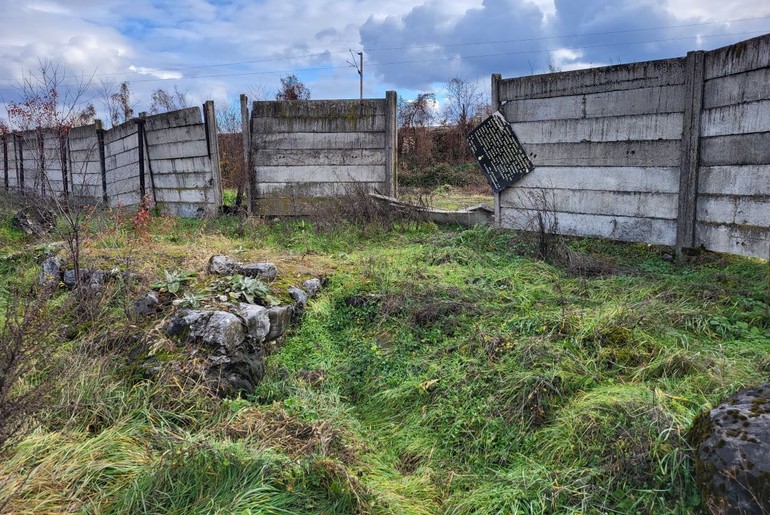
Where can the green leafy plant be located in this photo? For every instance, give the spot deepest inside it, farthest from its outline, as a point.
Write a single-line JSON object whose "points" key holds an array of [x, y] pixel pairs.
{"points": [[191, 300], [249, 289], [172, 281]]}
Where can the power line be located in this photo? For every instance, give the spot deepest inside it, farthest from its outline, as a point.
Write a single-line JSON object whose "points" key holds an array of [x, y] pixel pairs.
{"points": [[439, 59], [413, 47]]}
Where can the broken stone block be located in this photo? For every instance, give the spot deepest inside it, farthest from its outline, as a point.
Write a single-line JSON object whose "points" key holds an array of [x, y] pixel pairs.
{"points": [[256, 319], [280, 318], [266, 271], [312, 286], [222, 265], [732, 462], [148, 304], [50, 270]]}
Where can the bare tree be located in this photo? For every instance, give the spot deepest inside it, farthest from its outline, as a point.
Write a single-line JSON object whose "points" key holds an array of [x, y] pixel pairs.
{"points": [[164, 101], [463, 109], [259, 91], [116, 99], [464, 101], [46, 112], [415, 117], [292, 89]]}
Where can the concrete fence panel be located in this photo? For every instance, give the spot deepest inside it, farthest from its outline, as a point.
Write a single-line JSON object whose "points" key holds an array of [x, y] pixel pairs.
{"points": [[673, 152], [168, 158], [304, 151]]}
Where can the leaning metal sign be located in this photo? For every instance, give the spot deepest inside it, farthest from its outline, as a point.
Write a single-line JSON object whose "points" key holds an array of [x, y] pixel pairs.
{"points": [[499, 153]]}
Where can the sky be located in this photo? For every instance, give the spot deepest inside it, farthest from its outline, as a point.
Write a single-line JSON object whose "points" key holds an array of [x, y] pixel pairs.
{"points": [[217, 49]]}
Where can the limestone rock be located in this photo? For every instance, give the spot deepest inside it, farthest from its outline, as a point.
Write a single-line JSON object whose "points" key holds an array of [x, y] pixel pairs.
{"points": [[732, 465], [91, 278], [222, 265], [266, 271], [256, 319], [50, 270], [300, 301], [147, 304], [312, 286], [235, 362], [280, 318]]}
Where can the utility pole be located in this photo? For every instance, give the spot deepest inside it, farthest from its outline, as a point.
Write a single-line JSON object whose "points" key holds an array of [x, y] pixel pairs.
{"points": [[360, 69]]}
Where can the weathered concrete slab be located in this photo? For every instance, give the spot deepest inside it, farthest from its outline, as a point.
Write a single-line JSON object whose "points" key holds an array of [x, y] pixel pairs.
{"points": [[745, 241], [329, 124], [736, 119], [742, 149], [656, 231], [739, 57], [735, 210], [320, 173], [735, 180], [655, 100], [320, 157], [181, 150], [188, 116], [320, 140], [736, 89], [619, 203], [620, 153], [317, 189], [614, 128], [648, 74], [171, 135]]}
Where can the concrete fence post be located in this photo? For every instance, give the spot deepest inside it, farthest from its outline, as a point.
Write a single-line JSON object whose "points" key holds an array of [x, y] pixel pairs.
{"points": [[19, 143], [251, 191], [210, 119], [391, 144], [5, 162], [140, 145], [496, 78], [102, 158], [690, 152]]}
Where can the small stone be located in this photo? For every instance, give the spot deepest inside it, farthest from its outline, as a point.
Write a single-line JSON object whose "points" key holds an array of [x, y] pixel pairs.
{"points": [[312, 286], [50, 272], [69, 278], [299, 296], [147, 304]]}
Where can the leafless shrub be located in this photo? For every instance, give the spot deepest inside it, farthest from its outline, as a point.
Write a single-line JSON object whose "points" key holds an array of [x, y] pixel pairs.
{"points": [[535, 212], [359, 208], [24, 360]]}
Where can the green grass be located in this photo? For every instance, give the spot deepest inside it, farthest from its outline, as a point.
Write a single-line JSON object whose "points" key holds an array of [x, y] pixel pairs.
{"points": [[454, 373]]}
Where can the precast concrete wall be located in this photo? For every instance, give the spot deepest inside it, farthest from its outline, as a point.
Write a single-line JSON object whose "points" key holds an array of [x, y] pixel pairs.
{"points": [[673, 152], [733, 195], [170, 158], [305, 151]]}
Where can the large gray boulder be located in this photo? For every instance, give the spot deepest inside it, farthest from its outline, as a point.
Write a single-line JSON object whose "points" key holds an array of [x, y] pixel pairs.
{"points": [[732, 462]]}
